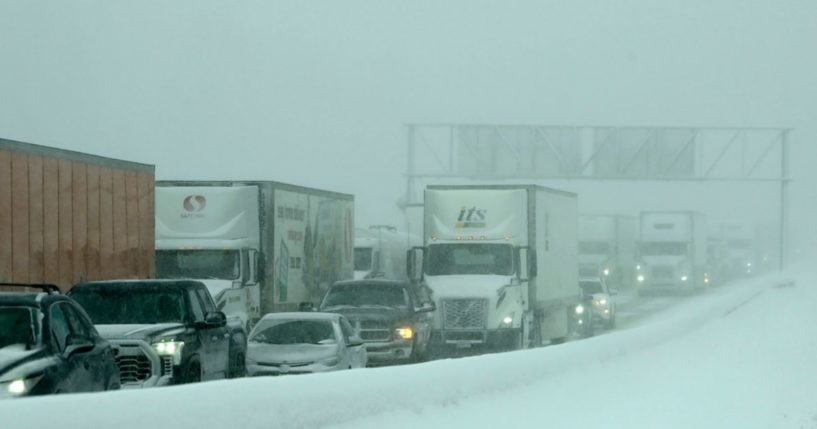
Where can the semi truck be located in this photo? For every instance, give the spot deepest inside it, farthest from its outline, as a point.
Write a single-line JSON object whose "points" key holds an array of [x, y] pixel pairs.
{"points": [[67, 217], [380, 252], [258, 246], [500, 264], [672, 252], [607, 249]]}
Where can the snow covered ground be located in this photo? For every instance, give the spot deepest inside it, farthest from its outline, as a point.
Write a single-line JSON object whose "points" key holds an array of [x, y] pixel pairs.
{"points": [[742, 356]]}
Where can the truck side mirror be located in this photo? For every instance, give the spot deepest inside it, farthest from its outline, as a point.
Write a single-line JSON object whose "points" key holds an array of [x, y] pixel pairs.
{"points": [[414, 264], [260, 267], [526, 261]]}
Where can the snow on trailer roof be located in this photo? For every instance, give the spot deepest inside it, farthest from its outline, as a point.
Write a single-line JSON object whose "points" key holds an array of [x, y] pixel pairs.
{"points": [[259, 183], [501, 187]]}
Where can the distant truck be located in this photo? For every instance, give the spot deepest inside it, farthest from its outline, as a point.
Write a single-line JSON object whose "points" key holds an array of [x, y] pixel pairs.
{"points": [[607, 249], [672, 252], [259, 246], [740, 239], [380, 252], [67, 217], [164, 332], [500, 263]]}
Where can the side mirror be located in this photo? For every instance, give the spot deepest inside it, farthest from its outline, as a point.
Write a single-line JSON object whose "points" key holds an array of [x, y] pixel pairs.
{"points": [[260, 267], [427, 307], [213, 319], [414, 264], [75, 343], [355, 341], [526, 261]]}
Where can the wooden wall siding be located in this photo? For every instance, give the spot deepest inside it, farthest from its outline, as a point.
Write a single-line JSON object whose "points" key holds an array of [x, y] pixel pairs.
{"points": [[65, 221]]}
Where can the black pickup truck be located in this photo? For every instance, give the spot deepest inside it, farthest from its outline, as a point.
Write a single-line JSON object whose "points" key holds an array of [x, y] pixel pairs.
{"points": [[164, 331], [390, 318]]}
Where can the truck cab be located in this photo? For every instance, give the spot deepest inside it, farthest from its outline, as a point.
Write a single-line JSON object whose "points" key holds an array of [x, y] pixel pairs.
{"points": [[672, 252]]}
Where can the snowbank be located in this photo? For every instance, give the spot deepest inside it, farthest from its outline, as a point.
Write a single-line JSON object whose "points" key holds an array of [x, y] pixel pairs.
{"points": [[619, 379]]}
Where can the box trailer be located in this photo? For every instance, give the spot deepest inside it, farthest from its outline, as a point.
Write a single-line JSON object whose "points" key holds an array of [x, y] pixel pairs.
{"points": [[67, 217], [380, 252], [607, 249], [259, 246], [500, 263]]}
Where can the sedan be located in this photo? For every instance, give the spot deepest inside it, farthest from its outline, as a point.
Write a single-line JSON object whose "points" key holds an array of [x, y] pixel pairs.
{"points": [[49, 345], [303, 343], [599, 298]]}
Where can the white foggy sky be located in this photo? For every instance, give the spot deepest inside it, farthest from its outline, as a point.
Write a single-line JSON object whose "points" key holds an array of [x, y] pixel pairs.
{"points": [[316, 92]]}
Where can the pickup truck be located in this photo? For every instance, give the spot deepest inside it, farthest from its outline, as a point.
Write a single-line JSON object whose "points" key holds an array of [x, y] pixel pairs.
{"points": [[390, 318], [164, 331]]}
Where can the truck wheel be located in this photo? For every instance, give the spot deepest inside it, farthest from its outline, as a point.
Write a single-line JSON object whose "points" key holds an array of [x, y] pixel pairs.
{"points": [[238, 366], [193, 373]]}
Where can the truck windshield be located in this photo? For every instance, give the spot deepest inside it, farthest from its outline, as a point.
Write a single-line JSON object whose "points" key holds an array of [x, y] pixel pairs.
{"points": [[469, 258], [19, 326], [662, 248], [198, 264], [362, 295], [594, 247], [116, 304], [363, 258]]}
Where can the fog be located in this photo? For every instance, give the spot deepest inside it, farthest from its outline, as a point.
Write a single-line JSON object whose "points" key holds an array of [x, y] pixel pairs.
{"points": [[317, 93]]}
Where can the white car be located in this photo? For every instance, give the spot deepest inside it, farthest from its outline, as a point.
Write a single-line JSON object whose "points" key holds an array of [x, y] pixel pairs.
{"points": [[303, 343], [600, 300]]}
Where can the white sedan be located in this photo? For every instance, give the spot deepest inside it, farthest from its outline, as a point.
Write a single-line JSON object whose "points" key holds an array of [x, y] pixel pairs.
{"points": [[601, 300], [303, 343]]}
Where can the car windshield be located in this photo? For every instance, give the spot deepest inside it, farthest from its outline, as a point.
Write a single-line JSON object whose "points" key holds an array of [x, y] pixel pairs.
{"points": [[19, 326], [590, 287], [198, 264], [283, 332], [361, 295], [124, 304], [469, 258], [363, 258]]}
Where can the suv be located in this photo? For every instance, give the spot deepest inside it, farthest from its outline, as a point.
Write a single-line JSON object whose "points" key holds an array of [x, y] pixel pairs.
{"points": [[164, 331], [387, 314], [49, 345], [599, 299]]}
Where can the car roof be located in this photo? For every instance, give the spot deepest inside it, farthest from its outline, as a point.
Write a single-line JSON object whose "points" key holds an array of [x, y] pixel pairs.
{"points": [[379, 282], [178, 283], [28, 299], [302, 315]]}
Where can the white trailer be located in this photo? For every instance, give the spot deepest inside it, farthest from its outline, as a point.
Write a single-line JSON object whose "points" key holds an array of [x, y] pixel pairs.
{"points": [[740, 239], [607, 249], [380, 252], [672, 251], [500, 263], [259, 246]]}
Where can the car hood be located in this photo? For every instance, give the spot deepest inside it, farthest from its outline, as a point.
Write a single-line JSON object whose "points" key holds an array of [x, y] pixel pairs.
{"points": [[381, 314], [290, 353], [139, 332], [14, 358]]}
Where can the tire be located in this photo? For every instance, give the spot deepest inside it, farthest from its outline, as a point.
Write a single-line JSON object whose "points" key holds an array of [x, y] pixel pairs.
{"points": [[193, 373], [238, 366], [555, 341], [611, 324]]}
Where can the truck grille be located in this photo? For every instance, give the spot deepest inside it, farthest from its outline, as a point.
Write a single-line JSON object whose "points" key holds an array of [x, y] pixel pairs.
{"points": [[133, 368], [167, 365], [662, 272], [464, 313], [374, 331]]}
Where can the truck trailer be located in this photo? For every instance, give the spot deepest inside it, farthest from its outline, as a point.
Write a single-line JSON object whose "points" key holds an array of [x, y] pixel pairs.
{"points": [[607, 249], [672, 252], [67, 217], [259, 246], [500, 263]]}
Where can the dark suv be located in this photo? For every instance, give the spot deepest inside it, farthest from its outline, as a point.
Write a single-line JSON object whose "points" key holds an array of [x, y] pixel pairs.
{"points": [[388, 315], [49, 345]]}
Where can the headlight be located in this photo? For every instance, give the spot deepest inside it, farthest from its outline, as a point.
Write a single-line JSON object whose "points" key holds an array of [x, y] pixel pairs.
{"points": [[748, 264], [640, 278], [170, 348], [600, 301], [332, 361], [684, 278], [405, 333], [507, 320], [606, 271], [579, 309], [638, 267], [18, 387]]}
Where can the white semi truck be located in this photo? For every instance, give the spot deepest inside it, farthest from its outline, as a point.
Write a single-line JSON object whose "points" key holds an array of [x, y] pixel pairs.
{"points": [[380, 252], [672, 252], [259, 246], [500, 263], [607, 249]]}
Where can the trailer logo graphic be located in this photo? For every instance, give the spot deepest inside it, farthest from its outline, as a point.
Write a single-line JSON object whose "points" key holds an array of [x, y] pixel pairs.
{"points": [[471, 218], [194, 203]]}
